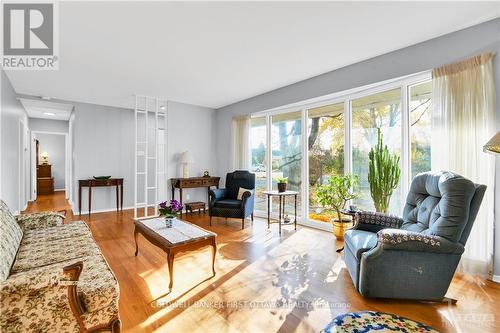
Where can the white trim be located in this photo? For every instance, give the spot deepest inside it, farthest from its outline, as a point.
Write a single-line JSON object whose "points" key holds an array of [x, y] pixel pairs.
{"points": [[304, 191], [405, 163], [48, 132], [59, 189], [86, 212], [495, 278]]}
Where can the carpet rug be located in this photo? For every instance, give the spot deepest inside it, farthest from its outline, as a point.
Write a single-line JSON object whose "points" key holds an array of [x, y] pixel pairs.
{"points": [[370, 321]]}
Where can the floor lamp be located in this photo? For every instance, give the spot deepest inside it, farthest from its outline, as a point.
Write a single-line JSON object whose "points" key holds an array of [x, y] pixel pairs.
{"points": [[493, 146]]}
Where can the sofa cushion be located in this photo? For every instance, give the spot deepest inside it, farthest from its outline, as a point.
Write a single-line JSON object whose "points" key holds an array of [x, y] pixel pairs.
{"points": [[97, 285], [10, 239], [228, 203], [359, 241], [37, 254], [438, 204], [43, 235]]}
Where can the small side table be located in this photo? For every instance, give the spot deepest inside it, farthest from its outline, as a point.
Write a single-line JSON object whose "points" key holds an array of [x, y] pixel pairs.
{"points": [[282, 198], [190, 206]]}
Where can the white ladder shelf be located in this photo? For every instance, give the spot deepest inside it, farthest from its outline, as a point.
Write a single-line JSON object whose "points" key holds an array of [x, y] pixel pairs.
{"points": [[150, 155]]}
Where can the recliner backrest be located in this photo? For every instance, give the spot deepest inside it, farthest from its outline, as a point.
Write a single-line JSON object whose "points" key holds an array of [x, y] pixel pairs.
{"points": [[237, 179], [442, 204]]}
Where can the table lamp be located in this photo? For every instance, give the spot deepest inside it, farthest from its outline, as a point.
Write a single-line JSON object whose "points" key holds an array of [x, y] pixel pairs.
{"points": [[45, 157], [186, 160], [493, 146]]}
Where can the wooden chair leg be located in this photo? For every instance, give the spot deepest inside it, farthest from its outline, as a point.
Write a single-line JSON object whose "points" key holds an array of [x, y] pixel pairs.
{"points": [[242, 224], [210, 219]]}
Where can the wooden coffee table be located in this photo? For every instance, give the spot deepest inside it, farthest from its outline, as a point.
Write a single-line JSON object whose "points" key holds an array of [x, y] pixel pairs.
{"points": [[181, 237]]}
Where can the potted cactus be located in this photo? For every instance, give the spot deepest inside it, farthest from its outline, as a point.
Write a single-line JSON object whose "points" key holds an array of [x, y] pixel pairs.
{"points": [[383, 174], [334, 195]]}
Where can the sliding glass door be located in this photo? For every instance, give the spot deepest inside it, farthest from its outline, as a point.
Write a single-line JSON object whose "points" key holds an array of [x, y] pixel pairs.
{"points": [[370, 113], [420, 127], [325, 130], [336, 137], [286, 153], [258, 144]]}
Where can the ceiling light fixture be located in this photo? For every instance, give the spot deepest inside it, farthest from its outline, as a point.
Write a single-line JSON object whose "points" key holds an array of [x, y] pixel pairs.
{"points": [[49, 113]]}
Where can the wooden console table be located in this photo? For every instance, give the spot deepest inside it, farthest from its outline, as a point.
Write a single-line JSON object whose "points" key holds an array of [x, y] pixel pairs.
{"points": [[118, 182], [193, 182]]}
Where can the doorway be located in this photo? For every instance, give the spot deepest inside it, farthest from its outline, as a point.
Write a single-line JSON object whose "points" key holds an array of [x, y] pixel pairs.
{"points": [[50, 163]]}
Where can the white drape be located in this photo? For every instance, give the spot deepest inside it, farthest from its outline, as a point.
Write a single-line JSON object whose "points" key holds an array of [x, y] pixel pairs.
{"points": [[241, 142], [463, 120]]}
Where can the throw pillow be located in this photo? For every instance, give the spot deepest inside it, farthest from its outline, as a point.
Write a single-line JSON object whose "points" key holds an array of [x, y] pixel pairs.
{"points": [[240, 193]]}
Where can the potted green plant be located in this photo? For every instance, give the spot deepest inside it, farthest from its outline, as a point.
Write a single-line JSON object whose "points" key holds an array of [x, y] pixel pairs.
{"points": [[383, 174], [282, 183], [334, 195]]}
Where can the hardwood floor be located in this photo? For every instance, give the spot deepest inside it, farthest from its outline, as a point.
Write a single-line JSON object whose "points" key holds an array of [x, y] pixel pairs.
{"points": [[264, 283]]}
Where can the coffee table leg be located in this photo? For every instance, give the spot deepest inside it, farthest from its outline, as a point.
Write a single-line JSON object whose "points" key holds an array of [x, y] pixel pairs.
{"points": [[135, 239], [214, 252], [170, 260]]}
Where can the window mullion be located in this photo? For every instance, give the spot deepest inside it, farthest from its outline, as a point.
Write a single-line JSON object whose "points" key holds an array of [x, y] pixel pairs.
{"points": [[405, 143], [305, 167]]}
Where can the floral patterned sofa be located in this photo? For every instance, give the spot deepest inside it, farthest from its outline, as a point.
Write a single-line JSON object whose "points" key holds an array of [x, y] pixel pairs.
{"points": [[53, 277]]}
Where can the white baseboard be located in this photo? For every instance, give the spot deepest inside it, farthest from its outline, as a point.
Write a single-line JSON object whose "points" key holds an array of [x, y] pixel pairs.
{"points": [[85, 212], [495, 278], [59, 189]]}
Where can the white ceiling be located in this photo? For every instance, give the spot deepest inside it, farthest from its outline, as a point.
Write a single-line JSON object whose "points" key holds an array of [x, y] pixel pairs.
{"points": [[216, 53], [45, 109]]}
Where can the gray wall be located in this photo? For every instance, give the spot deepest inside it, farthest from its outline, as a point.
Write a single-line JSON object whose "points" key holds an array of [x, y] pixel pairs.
{"points": [[49, 125], [191, 128], [55, 145], [12, 112], [413, 59], [104, 145]]}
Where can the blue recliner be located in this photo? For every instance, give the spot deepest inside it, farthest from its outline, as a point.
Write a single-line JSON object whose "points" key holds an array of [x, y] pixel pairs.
{"points": [[414, 257], [225, 202]]}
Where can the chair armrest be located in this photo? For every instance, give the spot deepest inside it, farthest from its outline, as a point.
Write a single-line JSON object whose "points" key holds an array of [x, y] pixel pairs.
{"points": [[374, 221], [40, 220], [217, 194], [396, 239], [245, 197]]}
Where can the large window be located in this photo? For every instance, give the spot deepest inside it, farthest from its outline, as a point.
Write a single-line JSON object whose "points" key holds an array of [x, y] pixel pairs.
{"points": [[258, 144], [420, 127], [286, 136], [325, 140], [338, 135], [382, 110]]}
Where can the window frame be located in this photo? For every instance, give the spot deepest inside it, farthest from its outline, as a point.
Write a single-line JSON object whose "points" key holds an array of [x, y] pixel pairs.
{"points": [[346, 97]]}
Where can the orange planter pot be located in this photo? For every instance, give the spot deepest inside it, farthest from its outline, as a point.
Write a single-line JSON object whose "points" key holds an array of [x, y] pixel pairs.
{"points": [[339, 228]]}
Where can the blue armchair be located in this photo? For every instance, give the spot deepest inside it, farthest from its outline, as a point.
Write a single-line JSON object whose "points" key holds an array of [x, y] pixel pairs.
{"points": [[225, 202], [414, 257]]}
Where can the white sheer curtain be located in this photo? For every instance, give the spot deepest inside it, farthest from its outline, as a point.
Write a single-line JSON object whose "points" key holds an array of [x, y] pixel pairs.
{"points": [[241, 142], [463, 120]]}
